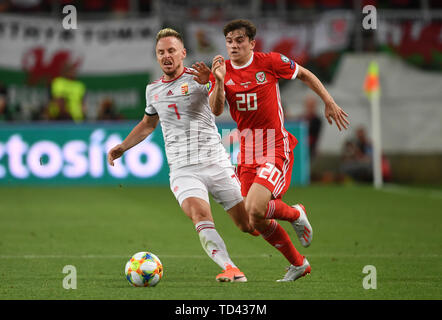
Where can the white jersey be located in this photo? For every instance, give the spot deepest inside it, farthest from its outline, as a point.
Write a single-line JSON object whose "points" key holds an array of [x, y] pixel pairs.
{"points": [[188, 124]]}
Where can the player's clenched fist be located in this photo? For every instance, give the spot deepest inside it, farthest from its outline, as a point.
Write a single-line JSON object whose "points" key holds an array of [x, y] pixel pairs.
{"points": [[114, 154]]}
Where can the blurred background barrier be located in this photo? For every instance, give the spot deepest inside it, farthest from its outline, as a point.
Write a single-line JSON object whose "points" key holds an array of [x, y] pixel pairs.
{"points": [[75, 154], [99, 70], [66, 153]]}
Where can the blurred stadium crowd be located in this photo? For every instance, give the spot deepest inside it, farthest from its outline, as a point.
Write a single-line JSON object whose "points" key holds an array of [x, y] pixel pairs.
{"points": [[322, 32], [323, 64], [145, 6]]}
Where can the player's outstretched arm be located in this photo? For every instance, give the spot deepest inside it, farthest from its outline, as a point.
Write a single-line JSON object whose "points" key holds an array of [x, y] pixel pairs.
{"points": [[141, 131], [201, 72], [217, 97], [332, 110]]}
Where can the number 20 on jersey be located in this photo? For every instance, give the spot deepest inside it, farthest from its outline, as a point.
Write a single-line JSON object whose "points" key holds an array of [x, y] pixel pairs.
{"points": [[246, 101], [270, 173]]}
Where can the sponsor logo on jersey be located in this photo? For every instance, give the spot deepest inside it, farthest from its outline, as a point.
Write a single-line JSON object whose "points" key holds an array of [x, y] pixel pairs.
{"points": [[230, 83], [261, 77], [246, 84], [209, 85], [170, 93], [185, 89], [285, 59]]}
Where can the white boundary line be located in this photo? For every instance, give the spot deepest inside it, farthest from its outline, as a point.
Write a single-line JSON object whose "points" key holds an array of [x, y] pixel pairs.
{"points": [[410, 191], [202, 256]]}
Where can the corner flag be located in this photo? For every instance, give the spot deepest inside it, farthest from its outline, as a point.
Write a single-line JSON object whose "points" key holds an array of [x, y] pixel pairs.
{"points": [[371, 84], [372, 89]]}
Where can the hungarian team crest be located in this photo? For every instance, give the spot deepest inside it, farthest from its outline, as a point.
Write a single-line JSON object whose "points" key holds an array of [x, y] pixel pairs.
{"points": [[260, 77], [185, 89]]}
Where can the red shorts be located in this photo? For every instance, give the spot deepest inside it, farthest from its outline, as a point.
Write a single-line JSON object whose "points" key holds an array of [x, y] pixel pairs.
{"points": [[275, 177]]}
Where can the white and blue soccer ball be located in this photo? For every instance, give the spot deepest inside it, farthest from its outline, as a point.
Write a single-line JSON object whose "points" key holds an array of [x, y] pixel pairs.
{"points": [[144, 269]]}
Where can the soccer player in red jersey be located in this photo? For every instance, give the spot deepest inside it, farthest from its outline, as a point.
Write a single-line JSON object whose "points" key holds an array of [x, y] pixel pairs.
{"points": [[249, 84]]}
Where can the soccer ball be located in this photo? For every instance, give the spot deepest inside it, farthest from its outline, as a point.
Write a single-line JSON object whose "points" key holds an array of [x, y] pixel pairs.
{"points": [[144, 269]]}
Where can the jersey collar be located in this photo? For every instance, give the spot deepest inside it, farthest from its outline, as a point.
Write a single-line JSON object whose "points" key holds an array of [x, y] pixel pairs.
{"points": [[167, 81], [245, 65]]}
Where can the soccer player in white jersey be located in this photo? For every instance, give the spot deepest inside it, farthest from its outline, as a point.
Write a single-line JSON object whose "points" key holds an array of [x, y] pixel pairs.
{"points": [[198, 162]]}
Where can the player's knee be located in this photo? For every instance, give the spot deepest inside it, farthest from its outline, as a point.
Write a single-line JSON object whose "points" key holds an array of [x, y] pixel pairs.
{"points": [[255, 211], [197, 210], [198, 216]]}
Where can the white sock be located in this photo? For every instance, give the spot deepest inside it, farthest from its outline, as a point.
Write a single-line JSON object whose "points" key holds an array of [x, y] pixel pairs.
{"points": [[213, 244]]}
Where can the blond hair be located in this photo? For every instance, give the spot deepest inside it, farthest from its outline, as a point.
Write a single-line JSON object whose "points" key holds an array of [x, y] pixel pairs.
{"points": [[169, 32]]}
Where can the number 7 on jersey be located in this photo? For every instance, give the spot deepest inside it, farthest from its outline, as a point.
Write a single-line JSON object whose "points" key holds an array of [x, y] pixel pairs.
{"points": [[176, 110]]}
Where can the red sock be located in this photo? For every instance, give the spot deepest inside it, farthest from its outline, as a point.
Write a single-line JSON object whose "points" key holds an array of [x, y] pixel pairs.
{"points": [[279, 238], [277, 209]]}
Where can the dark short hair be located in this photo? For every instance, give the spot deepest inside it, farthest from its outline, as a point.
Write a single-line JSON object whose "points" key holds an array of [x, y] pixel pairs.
{"points": [[239, 24], [169, 32]]}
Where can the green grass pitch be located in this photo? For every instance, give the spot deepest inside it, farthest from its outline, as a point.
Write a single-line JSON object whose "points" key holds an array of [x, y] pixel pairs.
{"points": [[97, 229]]}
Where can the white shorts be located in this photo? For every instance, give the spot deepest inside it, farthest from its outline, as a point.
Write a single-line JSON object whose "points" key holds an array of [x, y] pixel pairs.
{"points": [[218, 179]]}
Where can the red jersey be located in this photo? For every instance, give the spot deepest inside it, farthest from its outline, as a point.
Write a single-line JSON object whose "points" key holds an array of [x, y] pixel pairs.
{"points": [[252, 93]]}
